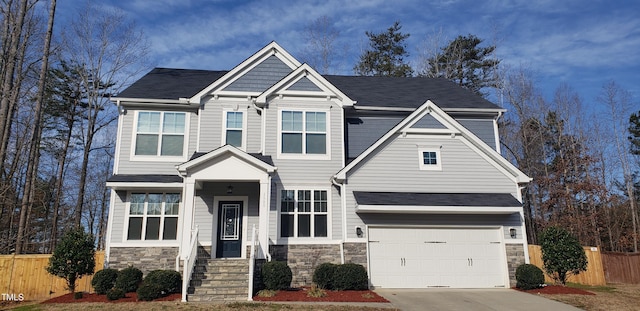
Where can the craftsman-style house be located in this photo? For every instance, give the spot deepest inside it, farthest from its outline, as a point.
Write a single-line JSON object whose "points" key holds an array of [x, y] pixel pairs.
{"points": [[273, 161]]}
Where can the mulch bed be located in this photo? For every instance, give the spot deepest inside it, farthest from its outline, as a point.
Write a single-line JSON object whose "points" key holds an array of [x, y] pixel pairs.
{"points": [[300, 294], [129, 297], [557, 290]]}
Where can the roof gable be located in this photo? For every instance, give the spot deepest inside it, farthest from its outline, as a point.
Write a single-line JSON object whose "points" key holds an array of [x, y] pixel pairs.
{"points": [[260, 77], [226, 151]]}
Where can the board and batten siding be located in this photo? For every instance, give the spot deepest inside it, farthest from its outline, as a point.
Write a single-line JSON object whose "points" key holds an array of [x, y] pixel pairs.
{"points": [[129, 167], [394, 167]]}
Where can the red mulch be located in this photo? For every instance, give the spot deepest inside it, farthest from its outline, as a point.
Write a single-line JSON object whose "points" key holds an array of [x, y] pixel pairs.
{"points": [[300, 294], [129, 297], [557, 290]]}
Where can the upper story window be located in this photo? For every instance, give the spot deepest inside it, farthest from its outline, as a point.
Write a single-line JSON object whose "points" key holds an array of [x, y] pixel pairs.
{"points": [[153, 216], [303, 132], [234, 128], [429, 159], [303, 213], [160, 133]]}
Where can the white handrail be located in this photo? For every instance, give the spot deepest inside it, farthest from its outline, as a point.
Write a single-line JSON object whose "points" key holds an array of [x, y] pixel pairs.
{"points": [[189, 263], [252, 262]]}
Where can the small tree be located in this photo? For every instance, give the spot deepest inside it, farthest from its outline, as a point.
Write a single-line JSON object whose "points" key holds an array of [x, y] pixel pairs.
{"points": [[73, 257], [562, 254]]}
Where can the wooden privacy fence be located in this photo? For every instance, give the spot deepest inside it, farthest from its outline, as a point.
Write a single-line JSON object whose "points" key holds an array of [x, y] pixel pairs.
{"points": [[26, 275], [593, 276], [621, 267]]}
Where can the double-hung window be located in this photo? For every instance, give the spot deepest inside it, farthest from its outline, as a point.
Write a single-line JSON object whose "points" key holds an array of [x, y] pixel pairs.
{"points": [[303, 132], [153, 216], [303, 213], [160, 133], [234, 128]]}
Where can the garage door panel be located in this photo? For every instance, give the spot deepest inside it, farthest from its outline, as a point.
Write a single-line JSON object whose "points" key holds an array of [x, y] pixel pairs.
{"points": [[430, 257]]}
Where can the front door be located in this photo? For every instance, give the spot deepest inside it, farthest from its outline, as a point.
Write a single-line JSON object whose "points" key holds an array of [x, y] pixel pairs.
{"points": [[229, 229]]}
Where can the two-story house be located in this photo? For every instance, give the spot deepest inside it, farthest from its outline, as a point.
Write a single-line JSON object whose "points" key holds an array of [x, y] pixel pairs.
{"points": [[401, 175]]}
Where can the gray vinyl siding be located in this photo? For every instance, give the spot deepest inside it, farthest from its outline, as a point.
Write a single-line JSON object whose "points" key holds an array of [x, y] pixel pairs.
{"points": [[395, 167], [484, 129], [304, 84], [126, 166], [428, 122], [508, 221], [261, 77], [119, 211], [204, 208], [362, 132], [211, 127]]}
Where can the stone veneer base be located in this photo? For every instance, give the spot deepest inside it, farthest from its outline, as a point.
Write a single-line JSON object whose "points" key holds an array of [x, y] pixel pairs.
{"points": [[144, 258], [515, 257]]}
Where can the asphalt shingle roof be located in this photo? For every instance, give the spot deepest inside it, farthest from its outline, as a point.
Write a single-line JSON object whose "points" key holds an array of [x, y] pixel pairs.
{"points": [[165, 83], [436, 199]]}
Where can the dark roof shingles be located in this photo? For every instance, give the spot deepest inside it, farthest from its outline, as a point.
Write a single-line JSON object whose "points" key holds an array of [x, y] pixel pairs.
{"points": [[436, 199], [165, 83]]}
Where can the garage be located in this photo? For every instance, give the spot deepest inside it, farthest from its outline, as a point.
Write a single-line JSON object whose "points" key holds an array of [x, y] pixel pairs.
{"points": [[436, 257]]}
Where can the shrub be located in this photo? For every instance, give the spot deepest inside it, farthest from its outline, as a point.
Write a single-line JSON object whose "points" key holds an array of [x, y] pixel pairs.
{"points": [[128, 279], [529, 277], [323, 275], [73, 257], [562, 254], [169, 280], [316, 292], [149, 291], [350, 276], [115, 294], [267, 293], [276, 275], [78, 295], [104, 280]]}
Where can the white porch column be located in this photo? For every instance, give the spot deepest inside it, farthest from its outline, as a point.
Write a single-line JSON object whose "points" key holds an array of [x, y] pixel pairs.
{"points": [[188, 195], [263, 224]]}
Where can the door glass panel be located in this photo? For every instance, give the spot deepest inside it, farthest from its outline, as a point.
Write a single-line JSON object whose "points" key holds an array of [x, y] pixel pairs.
{"points": [[230, 223]]}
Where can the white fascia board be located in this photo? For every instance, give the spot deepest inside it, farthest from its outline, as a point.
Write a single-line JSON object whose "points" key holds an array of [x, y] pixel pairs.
{"points": [[140, 185], [329, 90], [270, 49], [413, 209], [375, 108], [182, 168], [475, 110], [181, 101]]}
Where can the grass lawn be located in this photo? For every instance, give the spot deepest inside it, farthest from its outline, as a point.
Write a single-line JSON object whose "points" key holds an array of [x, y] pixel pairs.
{"points": [[619, 297]]}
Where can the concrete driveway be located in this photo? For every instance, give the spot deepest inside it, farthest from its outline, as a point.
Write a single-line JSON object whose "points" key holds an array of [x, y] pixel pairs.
{"points": [[469, 299]]}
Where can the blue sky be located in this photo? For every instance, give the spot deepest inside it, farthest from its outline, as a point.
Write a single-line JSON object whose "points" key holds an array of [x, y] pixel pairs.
{"points": [[582, 43]]}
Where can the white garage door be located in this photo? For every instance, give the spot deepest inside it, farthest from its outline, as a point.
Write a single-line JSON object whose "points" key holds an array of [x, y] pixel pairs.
{"points": [[443, 257]]}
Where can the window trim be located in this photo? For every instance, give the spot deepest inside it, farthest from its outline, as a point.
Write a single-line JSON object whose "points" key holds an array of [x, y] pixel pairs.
{"points": [[304, 155], [430, 167], [145, 216], [223, 137], [312, 213], [159, 158]]}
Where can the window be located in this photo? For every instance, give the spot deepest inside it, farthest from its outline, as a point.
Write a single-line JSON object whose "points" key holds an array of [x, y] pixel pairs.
{"points": [[233, 128], [429, 159], [304, 132], [160, 133], [303, 213], [153, 216]]}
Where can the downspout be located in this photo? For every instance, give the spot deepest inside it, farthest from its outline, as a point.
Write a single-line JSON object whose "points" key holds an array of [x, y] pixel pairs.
{"points": [[264, 121], [344, 216]]}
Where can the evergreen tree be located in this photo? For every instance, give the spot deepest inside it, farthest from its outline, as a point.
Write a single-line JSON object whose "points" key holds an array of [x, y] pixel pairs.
{"points": [[73, 257], [562, 254], [386, 54], [464, 62], [634, 131]]}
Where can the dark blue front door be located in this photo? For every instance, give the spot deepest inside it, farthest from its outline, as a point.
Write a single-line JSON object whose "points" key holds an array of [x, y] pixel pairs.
{"points": [[229, 229]]}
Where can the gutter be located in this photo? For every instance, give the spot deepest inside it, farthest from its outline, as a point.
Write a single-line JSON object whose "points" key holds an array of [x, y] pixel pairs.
{"points": [[182, 101]]}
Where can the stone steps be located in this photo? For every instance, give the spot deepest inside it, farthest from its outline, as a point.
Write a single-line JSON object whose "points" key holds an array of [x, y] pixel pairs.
{"points": [[219, 280]]}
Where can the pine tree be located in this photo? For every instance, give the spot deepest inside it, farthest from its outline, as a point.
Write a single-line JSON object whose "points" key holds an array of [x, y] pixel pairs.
{"points": [[386, 54]]}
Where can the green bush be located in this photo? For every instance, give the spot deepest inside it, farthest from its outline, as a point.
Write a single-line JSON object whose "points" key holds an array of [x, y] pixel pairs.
{"points": [[276, 275], [104, 280], [169, 280], [78, 295], [323, 275], [128, 279], [115, 294], [73, 257], [562, 254], [149, 291], [350, 276], [529, 277]]}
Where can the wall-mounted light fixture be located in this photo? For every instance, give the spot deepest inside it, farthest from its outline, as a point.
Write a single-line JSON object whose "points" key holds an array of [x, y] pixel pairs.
{"points": [[230, 190], [513, 233], [122, 110], [359, 232]]}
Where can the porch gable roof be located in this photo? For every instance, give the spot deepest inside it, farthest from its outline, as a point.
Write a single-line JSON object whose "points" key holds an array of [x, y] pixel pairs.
{"points": [[261, 162]]}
